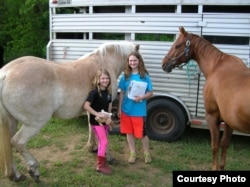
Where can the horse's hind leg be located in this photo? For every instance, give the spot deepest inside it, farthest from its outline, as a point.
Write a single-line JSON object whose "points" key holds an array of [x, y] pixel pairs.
{"points": [[215, 139], [19, 141], [17, 176], [225, 140]]}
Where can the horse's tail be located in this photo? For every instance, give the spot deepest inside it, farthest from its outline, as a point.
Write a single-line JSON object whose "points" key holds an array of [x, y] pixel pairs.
{"points": [[6, 157]]}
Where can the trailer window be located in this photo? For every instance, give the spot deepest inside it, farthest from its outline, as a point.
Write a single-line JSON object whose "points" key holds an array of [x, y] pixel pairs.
{"points": [[155, 9], [189, 9], [109, 9], [67, 10], [108, 36], [154, 37], [233, 40], [74, 35], [226, 9]]}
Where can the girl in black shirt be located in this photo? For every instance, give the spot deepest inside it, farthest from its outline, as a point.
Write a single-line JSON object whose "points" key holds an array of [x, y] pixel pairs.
{"points": [[100, 98]]}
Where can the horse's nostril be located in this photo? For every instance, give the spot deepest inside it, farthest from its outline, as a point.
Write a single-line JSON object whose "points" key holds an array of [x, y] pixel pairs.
{"points": [[164, 66], [169, 70]]}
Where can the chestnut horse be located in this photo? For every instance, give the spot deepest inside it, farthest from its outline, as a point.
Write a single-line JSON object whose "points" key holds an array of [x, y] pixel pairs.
{"points": [[226, 91], [33, 90]]}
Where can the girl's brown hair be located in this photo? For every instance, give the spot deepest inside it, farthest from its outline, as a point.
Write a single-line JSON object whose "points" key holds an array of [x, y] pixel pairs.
{"points": [[96, 81], [141, 67]]}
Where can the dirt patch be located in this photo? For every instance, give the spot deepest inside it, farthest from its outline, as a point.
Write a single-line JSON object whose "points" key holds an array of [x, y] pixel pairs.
{"points": [[74, 147], [53, 153]]}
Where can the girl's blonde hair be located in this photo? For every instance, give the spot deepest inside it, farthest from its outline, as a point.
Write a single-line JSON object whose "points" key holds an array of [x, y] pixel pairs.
{"points": [[96, 81], [141, 67]]}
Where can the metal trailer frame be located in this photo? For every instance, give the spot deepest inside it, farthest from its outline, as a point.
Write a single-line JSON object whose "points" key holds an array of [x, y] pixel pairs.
{"points": [[177, 101]]}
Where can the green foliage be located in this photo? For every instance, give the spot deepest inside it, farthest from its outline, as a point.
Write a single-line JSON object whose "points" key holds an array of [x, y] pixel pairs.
{"points": [[109, 36], [154, 37], [24, 28]]}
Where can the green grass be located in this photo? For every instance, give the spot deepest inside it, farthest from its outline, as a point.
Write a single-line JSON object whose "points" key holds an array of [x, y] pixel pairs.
{"points": [[65, 162]]}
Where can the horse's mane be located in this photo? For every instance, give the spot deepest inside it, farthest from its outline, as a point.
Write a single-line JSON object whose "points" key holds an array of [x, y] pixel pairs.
{"points": [[120, 47], [205, 46]]}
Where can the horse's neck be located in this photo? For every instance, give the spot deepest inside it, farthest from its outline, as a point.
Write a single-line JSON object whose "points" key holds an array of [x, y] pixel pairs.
{"points": [[207, 56], [116, 65]]}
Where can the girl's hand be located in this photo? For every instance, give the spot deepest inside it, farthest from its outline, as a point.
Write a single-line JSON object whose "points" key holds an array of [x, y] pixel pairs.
{"points": [[138, 99], [102, 115]]}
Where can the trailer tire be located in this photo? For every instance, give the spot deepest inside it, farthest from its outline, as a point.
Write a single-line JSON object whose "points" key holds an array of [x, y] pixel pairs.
{"points": [[165, 120]]}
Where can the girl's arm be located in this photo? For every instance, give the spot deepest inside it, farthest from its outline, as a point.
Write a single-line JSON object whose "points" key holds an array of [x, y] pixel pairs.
{"points": [[146, 96], [87, 107], [121, 95]]}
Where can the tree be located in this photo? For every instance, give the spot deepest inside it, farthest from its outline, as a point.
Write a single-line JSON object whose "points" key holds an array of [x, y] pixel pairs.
{"points": [[24, 28]]}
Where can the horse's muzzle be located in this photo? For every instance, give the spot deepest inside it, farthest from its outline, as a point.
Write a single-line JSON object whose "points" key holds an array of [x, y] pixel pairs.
{"points": [[167, 67]]}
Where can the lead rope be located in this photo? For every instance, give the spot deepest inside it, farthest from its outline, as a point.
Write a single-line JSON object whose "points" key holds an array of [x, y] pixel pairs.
{"points": [[191, 70]]}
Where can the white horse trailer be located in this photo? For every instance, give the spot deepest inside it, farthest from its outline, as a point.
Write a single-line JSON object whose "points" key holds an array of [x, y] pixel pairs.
{"points": [[77, 27]]}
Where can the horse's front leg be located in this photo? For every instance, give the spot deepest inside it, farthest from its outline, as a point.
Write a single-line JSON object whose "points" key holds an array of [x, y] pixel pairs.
{"points": [[91, 144], [225, 141], [109, 157], [215, 139], [19, 141]]}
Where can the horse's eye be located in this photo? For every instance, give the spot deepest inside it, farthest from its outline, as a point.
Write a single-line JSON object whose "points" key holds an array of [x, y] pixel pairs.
{"points": [[177, 46]]}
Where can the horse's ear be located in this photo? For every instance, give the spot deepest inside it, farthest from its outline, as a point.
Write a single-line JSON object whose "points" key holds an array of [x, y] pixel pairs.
{"points": [[182, 30], [137, 47]]}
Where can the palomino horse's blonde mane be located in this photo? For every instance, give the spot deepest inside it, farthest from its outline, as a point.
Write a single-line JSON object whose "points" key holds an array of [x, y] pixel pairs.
{"points": [[120, 47]]}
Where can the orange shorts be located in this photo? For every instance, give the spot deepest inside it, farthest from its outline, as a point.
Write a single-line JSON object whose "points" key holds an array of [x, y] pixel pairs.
{"points": [[131, 125]]}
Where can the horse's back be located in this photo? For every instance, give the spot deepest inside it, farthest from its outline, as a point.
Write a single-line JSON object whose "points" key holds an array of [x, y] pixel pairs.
{"points": [[40, 88], [27, 72], [35, 89], [22, 60]]}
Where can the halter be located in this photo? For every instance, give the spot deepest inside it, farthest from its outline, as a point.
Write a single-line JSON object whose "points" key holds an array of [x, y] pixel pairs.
{"points": [[185, 52]]}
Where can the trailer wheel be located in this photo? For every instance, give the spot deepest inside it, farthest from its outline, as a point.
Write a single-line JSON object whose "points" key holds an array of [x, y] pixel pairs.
{"points": [[166, 120]]}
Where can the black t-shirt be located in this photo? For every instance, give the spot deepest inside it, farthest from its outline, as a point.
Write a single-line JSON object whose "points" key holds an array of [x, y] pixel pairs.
{"points": [[98, 102]]}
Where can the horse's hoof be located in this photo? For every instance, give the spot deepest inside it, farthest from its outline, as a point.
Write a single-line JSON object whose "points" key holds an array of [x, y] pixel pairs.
{"points": [[93, 150], [112, 161], [35, 177], [18, 179]]}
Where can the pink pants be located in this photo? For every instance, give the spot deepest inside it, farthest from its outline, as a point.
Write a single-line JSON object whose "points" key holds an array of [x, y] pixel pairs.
{"points": [[101, 133]]}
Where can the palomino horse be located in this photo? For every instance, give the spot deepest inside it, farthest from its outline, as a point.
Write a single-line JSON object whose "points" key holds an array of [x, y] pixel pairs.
{"points": [[33, 90], [226, 90]]}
